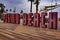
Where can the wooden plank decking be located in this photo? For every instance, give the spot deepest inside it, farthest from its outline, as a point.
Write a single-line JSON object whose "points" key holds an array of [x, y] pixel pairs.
{"points": [[21, 32]]}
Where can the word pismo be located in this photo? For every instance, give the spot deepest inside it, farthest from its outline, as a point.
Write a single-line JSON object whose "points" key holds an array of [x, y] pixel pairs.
{"points": [[36, 19]]}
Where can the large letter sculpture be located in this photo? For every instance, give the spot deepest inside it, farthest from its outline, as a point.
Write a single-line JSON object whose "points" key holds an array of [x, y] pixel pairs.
{"points": [[30, 19], [9, 18], [53, 16], [25, 19], [13, 18], [43, 20], [17, 18], [36, 20]]}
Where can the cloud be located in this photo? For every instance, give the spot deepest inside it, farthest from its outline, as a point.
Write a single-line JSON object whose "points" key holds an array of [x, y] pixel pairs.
{"points": [[25, 5], [11, 4]]}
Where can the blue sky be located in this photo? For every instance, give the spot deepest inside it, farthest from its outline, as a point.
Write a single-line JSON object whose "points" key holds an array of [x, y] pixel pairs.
{"points": [[25, 5]]}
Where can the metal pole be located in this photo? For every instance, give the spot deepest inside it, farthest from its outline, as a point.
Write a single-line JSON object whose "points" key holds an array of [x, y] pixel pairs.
{"points": [[51, 5]]}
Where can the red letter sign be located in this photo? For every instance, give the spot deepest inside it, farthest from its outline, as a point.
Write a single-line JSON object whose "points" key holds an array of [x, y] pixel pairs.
{"points": [[9, 18], [13, 18], [30, 19], [17, 18], [25, 19], [37, 20], [53, 20], [43, 19]]}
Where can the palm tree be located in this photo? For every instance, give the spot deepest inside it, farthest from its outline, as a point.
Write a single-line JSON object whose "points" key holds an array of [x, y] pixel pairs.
{"points": [[6, 10], [10, 10], [31, 5], [14, 10], [1, 9], [21, 11], [37, 3]]}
